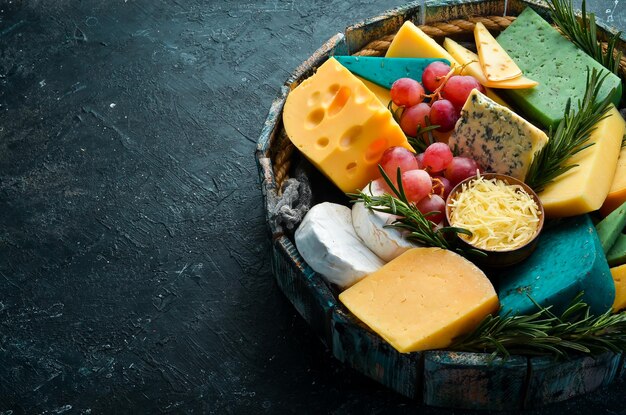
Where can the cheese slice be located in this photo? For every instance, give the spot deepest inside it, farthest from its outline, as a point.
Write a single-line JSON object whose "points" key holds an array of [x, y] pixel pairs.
{"points": [[422, 299], [340, 126], [585, 187], [371, 226], [498, 139], [412, 42], [463, 56], [619, 278], [383, 94], [327, 242], [617, 192], [496, 63]]}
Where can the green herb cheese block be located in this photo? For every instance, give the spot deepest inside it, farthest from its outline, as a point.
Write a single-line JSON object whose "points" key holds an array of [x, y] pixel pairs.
{"points": [[385, 71], [568, 259], [617, 254], [611, 227], [544, 55]]}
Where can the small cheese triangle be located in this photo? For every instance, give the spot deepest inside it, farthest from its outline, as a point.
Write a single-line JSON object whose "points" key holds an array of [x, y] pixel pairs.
{"points": [[496, 63]]}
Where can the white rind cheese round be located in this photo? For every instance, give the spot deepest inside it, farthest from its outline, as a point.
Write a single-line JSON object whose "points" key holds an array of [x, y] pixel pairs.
{"points": [[328, 243], [369, 225]]}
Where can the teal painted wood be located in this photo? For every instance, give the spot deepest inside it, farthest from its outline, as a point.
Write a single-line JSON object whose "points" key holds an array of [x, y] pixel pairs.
{"points": [[474, 380], [554, 381], [363, 350], [308, 293]]}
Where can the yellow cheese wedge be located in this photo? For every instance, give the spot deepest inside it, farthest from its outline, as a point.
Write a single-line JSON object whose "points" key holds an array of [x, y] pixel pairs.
{"points": [[383, 94], [585, 187], [340, 126], [617, 192], [411, 42], [496, 63], [422, 299], [619, 278], [464, 56]]}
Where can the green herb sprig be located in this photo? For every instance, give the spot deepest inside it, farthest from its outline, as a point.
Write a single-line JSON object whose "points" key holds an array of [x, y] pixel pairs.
{"points": [[544, 333], [583, 33], [420, 229], [571, 136]]}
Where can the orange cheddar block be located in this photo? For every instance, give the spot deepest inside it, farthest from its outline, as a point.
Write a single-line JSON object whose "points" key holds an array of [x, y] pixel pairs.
{"points": [[340, 126], [617, 191], [619, 278], [584, 188], [422, 299]]}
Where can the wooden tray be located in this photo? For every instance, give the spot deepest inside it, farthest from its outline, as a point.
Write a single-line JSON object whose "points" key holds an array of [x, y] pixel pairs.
{"points": [[437, 378]]}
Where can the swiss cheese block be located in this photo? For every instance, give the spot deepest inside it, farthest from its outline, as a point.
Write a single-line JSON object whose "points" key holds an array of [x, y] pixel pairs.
{"points": [[497, 65], [383, 94], [544, 55], [422, 299], [611, 227], [585, 187], [619, 278], [411, 42], [465, 56], [498, 139], [617, 191], [340, 126], [568, 259], [327, 242], [617, 253]]}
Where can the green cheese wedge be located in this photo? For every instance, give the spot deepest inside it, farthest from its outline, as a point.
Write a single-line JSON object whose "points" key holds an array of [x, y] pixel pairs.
{"points": [[611, 227], [547, 57], [386, 71], [617, 254]]}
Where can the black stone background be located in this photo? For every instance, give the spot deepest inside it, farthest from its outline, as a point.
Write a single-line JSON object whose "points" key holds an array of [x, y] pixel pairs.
{"points": [[134, 271]]}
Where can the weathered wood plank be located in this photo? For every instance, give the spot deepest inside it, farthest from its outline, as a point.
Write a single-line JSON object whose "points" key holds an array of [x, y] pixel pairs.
{"points": [[554, 381], [474, 380], [363, 350]]}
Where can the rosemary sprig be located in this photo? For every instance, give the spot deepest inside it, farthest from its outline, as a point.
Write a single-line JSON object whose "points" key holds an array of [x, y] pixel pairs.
{"points": [[410, 219], [583, 33], [571, 136], [544, 333]]}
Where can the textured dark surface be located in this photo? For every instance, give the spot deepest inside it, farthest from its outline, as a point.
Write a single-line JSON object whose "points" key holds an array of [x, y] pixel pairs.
{"points": [[134, 270]]}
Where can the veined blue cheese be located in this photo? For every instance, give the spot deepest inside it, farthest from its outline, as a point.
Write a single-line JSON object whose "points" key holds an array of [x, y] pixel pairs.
{"points": [[498, 139]]}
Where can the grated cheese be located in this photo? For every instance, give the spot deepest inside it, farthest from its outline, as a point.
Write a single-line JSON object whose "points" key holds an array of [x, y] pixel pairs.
{"points": [[500, 216]]}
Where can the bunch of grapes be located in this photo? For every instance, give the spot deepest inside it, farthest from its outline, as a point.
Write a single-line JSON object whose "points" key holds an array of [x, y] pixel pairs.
{"points": [[428, 177], [442, 107]]}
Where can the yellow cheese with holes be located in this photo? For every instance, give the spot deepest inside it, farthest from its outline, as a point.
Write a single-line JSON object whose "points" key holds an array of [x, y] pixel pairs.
{"points": [[422, 299], [464, 56], [617, 192], [383, 94], [340, 126], [619, 278], [585, 187], [496, 63]]}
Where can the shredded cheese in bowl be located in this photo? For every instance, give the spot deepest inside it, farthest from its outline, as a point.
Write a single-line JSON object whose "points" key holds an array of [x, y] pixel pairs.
{"points": [[501, 216]]}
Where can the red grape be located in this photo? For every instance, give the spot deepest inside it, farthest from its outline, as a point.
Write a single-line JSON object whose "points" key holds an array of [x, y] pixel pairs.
{"points": [[413, 117], [433, 75], [420, 160], [441, 187], [417, 185], [460, 168], [458, 88], [406, 92], [397, 157], [433, 203], [443, 114], [437, 156]]}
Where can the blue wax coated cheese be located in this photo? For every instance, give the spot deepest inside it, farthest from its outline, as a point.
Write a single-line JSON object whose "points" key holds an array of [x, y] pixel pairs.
{"points": [[568, 259], [385, 71]]}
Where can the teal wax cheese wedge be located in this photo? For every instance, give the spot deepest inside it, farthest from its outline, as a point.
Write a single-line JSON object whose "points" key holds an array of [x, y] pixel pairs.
{"points": [[611, 227], [385, 71], [547, 57], [568, 259], [617, 254]]}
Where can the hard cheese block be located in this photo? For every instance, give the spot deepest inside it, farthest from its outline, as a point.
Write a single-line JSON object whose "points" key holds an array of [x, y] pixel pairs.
{"points": [[560, 68], [340, 126], [617, 253], [327, 242], [386, 71], [611, 227], [617, 191], [498, 139], [584, 188], [422, 299], [411, 42], [383, 94], [619, 278], [568, 259]]}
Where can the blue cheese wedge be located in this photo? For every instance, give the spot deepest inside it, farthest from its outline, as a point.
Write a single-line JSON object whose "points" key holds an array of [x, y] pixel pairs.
{"points": [[498, 139]]}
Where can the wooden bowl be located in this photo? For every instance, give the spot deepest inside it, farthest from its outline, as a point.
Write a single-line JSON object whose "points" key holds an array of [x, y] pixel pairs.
{"points": [[505, 257]]}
